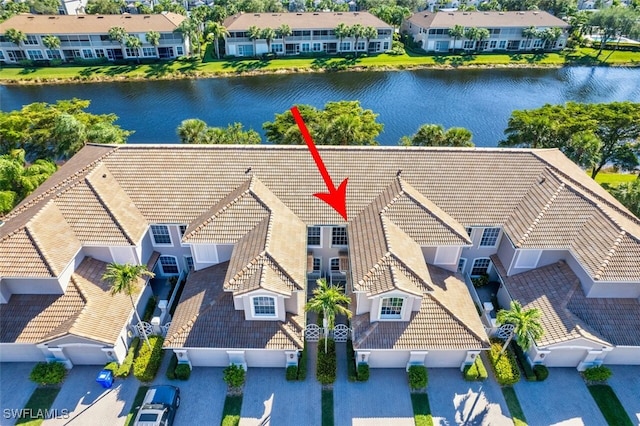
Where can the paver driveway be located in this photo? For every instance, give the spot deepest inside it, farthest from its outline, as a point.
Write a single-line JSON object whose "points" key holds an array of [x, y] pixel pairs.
{"points": [[562, 399], [15, 388], [625, 381], [454, 401]]}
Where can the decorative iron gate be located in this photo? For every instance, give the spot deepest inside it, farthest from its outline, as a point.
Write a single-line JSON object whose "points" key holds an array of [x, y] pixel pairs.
{"points": [[341, 333], [312, 332]]}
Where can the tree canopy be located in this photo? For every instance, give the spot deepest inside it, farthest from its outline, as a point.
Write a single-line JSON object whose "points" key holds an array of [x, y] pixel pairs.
{"points": [[195, 131], [435, 135], [339, 123], [17, 179], [628, 194], [56, 131], [591, 135]]}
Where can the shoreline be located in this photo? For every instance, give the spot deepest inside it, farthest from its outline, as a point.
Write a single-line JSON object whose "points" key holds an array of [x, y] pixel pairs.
{"points": [[178, 74]]}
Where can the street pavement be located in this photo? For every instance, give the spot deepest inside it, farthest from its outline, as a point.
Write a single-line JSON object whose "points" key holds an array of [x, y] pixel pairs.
{"points": [[15, 389], [625, 382]]}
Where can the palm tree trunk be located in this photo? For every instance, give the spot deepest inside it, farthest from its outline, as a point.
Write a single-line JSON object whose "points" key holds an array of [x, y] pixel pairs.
{"points": [[144, 333], [217, 47], [325, 323]]}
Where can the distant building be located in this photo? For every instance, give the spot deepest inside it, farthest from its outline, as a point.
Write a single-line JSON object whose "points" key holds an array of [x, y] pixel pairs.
{"points": [[87, 37], [313, 32], [431, 30]]}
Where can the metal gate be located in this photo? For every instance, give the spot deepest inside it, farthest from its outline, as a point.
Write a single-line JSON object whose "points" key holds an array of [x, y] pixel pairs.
{"points": [[312, 332], [341, 333]]}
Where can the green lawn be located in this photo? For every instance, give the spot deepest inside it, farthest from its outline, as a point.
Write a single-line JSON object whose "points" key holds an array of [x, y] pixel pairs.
{"points": [[231, 410], [610, 405], [327, 407], [614, 179], [41, 399], [514, 406], [421, 409], [137, 402], [213, 67]]}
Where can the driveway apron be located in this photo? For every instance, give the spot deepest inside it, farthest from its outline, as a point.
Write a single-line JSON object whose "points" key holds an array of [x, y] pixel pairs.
{"points": [[455, 401], [15, 389], [561, 399], [625, 382]]}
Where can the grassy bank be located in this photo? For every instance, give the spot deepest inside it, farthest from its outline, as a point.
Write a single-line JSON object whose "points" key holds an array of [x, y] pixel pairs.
{"points": [[213, 67]]}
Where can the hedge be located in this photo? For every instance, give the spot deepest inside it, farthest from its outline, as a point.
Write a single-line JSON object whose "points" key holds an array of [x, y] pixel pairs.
{"points": [[234, 376], [523, 362], [326, 368], [125, 367], [363, 372], [418, 378], [504, 366], [302, 363], [597, 374], [292, 373], [475, 371], [171, 369], [148, 361], [183, 371], [48, 373], [352, 372], [541, 372]]}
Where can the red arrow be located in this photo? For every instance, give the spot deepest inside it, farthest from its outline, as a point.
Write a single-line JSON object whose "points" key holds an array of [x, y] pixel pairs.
{"points": [[336, 197]]}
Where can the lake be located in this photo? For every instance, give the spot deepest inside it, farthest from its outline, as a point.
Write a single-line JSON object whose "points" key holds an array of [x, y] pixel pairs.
{"points": [[480, 100]]}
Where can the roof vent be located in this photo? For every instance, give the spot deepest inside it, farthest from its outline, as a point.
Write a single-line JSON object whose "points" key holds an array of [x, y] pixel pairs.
{"points": [[147, 16], [500, 13], [127, 17], [52, 17], [80, 17], [316, 14], [29, 17], [299, 14], [256, 14], [426, 14], [100, 17], [339, 13]]}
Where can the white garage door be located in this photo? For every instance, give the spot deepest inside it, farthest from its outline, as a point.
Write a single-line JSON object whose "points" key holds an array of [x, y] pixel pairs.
{"points": [[565, 357], [85, 355]]}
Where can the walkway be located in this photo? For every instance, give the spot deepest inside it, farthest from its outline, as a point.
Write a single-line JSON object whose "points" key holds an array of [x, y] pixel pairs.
{"points": [[561, 399], [625, 381]]}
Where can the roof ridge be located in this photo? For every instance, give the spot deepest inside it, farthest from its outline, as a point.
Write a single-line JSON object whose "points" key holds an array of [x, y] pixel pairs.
{"points": [[75, 176], [540, 215], [273, 263], [36, 245], [607, 258], [108, 209]]}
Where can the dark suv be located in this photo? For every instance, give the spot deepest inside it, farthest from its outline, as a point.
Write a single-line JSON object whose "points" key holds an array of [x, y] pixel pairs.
{"points": [[159, 406]]}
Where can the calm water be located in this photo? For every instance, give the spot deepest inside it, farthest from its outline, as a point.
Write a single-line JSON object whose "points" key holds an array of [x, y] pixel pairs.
{"points": [[481, 100]]}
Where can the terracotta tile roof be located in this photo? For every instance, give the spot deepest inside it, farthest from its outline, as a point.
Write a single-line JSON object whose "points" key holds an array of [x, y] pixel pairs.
{"points": [[87, 310], [206, 318], [298, 21], [31, 318], [20, 257], [427, 19], [447, 319], [550, 289], [91, 24]]}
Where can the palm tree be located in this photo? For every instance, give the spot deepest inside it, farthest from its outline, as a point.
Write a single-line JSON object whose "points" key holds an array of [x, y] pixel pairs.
{"points": [[123, 279], [341, 31], [51, 42], [357, 32], [481, 35], [16, 37], [134, 43], [529, 33], [254, 34], [457, 31], [268, 34], [550, 36], [470, 34], [284, 31], [189, 29], [369, 33], [119, 35], [527, 327], [153, 38], [329, 300], [192, 131], [216, 31]]}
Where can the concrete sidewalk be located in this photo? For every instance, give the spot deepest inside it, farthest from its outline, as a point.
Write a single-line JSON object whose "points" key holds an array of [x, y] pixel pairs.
{"points": [[561, 399], [625, 382], [382, 400], [15, 389], [454, 401]]}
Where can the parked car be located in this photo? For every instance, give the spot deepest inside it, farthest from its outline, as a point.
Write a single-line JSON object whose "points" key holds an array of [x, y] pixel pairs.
{"points": [[159, 406]]}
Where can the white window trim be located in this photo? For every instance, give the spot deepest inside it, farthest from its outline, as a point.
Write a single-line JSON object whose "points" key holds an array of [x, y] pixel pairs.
{"points": [[153, 239], [474, 262], [346, 234], [181, 236], [498, 237], [184, 260], [162, 266], [253, 307], [334, 271], [320, 267], [402, 310], [320, 236], [464, 265]]}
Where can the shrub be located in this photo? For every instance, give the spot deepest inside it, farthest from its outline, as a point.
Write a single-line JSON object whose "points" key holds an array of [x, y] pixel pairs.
{"points": [[234, 376], [597, 374], [113, 367], [417, 377], [302, 363], [183, 371], [475, 371], [352, 372], [326, 368], [125, 367], [480, 281], [541, 372], [48, 373], [171, 369], [149, 308], [363, 372], [148, 362], [505, 366], [292, 373], [524, 363]]}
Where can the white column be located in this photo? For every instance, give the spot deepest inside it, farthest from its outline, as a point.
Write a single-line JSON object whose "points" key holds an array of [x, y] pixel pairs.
{"points": [[470, 358], [417, 358], [362, 357], [109, 353], [237, 357], [59, 356], [292, 358], [183, 357]]}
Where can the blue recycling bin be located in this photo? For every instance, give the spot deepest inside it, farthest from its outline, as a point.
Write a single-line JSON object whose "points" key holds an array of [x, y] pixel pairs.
{"points": [[105, 378]]}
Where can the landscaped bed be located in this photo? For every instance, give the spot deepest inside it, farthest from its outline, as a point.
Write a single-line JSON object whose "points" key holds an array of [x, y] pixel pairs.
{"points": [[514, 406], [610, 405], [421, 409], [40, 402], [137, 402]]}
